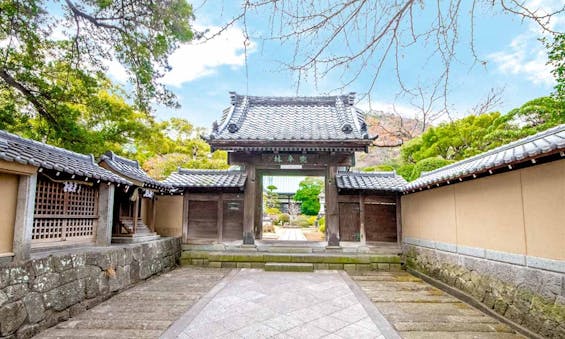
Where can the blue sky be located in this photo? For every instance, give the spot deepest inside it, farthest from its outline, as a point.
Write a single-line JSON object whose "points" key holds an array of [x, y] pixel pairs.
{"points": [[203, 74]]}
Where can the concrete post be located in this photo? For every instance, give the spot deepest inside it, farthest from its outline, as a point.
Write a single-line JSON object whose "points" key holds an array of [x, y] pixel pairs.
{"points": [[23, 225], [105, 215]]}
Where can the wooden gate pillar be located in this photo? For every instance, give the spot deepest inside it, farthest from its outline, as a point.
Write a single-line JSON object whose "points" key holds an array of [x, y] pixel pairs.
{"points": [[249, 202], [332, 212]]}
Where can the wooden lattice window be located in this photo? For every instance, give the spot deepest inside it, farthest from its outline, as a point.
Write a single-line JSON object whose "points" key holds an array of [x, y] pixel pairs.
{"points": [[62, 215]]}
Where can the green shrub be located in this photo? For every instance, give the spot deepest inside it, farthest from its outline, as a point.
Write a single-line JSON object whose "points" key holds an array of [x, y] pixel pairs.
{"points": [[312, 220], [378, 168], [272, 211], [322, 225], [302, 221], [282, 218]]}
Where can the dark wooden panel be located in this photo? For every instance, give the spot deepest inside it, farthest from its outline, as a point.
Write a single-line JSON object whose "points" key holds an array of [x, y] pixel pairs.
{"points": [[202, 220], [233, 220], [380, 222], [349, 225]]}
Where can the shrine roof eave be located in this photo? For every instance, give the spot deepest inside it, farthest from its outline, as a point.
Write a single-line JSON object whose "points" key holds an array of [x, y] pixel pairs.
{"points": [[353, 145]]}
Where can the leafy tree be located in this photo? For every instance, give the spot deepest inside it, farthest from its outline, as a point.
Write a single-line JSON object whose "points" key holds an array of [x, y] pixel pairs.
{"points": [[556, 56], [538, 114], [271, 197], [307, 194], [53, 53], [176, 143]]}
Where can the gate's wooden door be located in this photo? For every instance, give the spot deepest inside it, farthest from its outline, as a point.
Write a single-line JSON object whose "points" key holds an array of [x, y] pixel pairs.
{"points": [[233, 220], [380, 222], [202, 219], [349, 224]]}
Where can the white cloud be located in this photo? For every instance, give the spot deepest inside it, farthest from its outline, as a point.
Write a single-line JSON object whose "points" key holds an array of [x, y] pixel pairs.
{"points": [[196, 60], [524, 56]]}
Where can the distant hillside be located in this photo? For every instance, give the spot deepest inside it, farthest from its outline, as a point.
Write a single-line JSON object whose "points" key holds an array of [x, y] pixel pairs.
{"points": [[393, 130]]}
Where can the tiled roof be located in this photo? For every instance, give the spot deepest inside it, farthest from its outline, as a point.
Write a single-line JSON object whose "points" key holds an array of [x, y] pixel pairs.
{"points": [[130, 169], [372, 181], [291, 119], [534, 146], [189, 178], [28, 152]]}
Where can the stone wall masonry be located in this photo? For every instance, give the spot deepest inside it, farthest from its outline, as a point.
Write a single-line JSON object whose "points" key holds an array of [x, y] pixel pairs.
{"points": [[530, 297], [41, 292]]}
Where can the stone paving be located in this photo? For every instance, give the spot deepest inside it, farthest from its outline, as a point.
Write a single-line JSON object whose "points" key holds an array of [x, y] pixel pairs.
{"points": [[192, 302], [293, 234], [257, 304], [419, 310], [143, 311]]}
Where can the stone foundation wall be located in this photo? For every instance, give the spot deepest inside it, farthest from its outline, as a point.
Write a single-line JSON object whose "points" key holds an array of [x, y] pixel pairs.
{"points": [[39, 293], [531, 297]]}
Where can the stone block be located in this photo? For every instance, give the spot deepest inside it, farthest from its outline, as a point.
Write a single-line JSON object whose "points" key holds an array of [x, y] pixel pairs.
{"points": [[62, 262], [134, 272], [500, 306], [12, 316], [28, 331], [243, 265], [257, 265], [34, 307], [42, 265], [321, 266], [100, 259], [229, 264], [16, 292], [77, 309], [514, 314], [383, 267], [349, 267], [46, 282], [335, 266], [53, 318], [363, 267], [19, 275], [3, 298], [395, 267], [79, 260], [68, 276], [4, 277], [215, 264], [65, 296]]}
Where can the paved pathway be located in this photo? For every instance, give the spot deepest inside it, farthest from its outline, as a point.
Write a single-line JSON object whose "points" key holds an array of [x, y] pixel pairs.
{"points": [[419, 310], [292, 234], [253, 303], [144, 311]]}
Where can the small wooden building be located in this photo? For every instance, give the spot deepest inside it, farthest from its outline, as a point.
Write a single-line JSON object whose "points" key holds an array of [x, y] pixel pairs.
{"points": [[134, 209], [213, 204], [52, 197], [369, 206]]}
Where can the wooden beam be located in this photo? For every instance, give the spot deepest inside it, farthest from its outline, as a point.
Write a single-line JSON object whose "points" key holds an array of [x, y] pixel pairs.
{"points": [[363, 235], [135, 213], [153, 213], [249, 205], [258, 214], [398, 220], [332, 209], [220, 218], [185, 209]]}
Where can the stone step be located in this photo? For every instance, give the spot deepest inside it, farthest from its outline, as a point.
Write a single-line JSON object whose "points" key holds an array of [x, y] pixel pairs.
{"points": [[289, 267], [136, 238], [282, 249]]}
